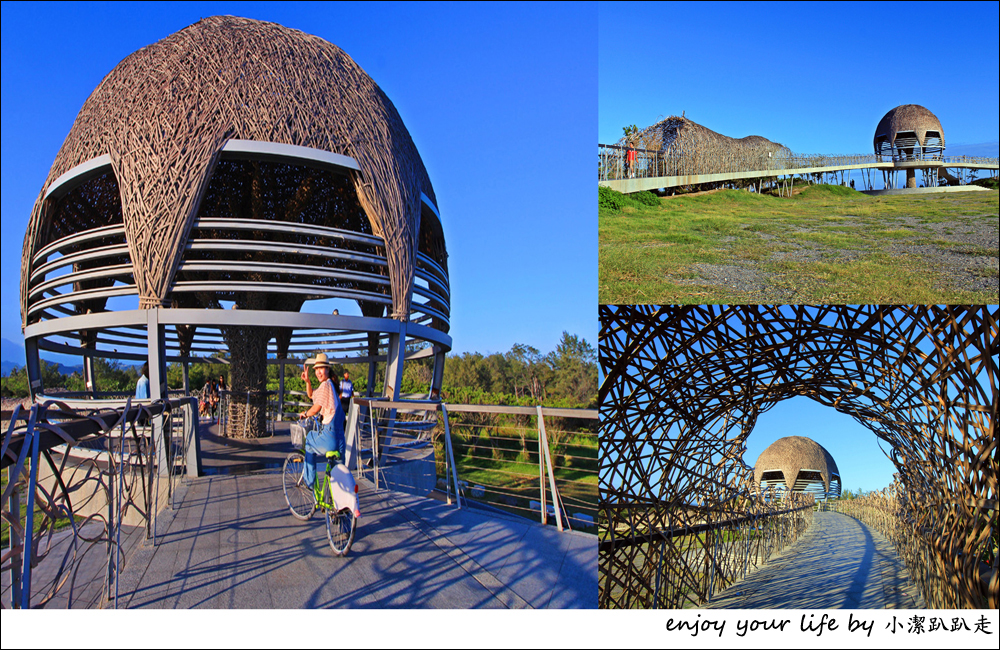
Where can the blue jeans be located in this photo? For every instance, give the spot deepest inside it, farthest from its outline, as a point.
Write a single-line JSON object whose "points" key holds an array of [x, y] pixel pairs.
{"points": [[330, 437]]}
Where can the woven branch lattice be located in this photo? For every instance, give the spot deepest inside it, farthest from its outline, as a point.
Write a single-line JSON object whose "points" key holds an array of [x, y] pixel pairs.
{"points": [[690, 148], [683, 389], [165, 112]]}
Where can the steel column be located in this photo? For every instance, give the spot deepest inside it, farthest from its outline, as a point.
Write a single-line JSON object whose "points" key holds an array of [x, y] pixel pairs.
{"points": [[157, 386]]}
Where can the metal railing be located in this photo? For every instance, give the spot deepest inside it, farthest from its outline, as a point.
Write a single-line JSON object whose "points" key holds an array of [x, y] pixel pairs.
{"points": [[90, 471], [683, 556], [294, 402], [612, 162], [535, 462]]}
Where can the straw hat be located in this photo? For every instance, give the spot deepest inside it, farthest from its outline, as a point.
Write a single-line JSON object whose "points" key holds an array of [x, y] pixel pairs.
{"points": [[319, 362]]}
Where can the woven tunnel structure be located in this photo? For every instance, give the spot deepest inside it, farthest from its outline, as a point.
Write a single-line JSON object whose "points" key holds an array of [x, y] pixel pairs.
{"points": [[216, 183], [683, 388], [689, 148]]}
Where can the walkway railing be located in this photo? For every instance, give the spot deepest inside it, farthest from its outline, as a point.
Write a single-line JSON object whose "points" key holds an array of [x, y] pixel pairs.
{"points": [[683, 556], [921, 548], [537, 462], [89, 471], [613, 164]]}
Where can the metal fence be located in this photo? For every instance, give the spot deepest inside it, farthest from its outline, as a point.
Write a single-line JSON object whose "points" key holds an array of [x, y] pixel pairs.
{"points": [[535, 462], [95, 474], [293, 402], [88, 472], [679, 559]]}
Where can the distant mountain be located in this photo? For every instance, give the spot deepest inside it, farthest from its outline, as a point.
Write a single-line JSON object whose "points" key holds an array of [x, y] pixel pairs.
{"points": [[13, 357], [984, 149], [7, 366], [11, 352]]}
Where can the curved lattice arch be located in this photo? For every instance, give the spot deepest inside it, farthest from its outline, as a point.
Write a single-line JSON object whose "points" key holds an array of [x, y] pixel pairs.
{"points": [[683, 387]]}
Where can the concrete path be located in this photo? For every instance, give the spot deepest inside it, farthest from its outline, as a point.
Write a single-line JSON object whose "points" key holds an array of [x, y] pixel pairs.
{"points": [[838, 563], [232, 544]]}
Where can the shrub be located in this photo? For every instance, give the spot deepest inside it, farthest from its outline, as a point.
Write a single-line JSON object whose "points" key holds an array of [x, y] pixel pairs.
{"points": [[609, 199], [645, 198]]}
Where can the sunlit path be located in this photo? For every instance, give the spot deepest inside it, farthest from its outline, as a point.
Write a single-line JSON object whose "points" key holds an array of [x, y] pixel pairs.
{"points": [[839, 563], [232, 544]]}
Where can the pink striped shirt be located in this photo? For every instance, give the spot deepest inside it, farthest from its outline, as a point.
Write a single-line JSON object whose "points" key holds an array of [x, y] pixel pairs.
{"points": [[324, 396]]}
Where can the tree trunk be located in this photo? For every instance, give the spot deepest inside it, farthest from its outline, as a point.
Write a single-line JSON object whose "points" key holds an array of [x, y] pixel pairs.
{"points": [[248, 380]]}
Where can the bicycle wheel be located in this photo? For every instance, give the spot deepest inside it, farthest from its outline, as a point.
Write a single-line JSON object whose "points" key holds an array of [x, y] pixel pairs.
{"points": [[298, 495], [340, 530]]}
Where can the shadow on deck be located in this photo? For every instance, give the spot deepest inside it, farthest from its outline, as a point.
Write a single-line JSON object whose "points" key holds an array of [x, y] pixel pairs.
{"points": [[232, 544]]}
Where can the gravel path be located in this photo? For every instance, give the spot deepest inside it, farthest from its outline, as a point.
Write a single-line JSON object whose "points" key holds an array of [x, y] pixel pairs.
{"points": [[957, 249]]}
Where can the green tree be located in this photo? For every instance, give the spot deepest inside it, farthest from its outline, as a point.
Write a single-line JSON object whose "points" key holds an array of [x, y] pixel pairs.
{"points": [[111, 375], [528, 371], [574, 366], [15, 384]]}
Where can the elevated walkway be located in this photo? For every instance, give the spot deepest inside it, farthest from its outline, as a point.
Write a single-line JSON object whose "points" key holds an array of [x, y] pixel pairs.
{"points": [[232, 544], [649, 166], [629, 185], [221, 534], [903, 191], [838, 563]]}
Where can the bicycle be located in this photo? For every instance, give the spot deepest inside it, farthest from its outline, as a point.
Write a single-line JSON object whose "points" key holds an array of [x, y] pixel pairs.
{"points": [[339, 500], [336, 496]]}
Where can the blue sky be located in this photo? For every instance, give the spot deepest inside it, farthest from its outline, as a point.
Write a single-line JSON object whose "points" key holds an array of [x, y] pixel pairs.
{"points": [[816, 77], [499, 99]]}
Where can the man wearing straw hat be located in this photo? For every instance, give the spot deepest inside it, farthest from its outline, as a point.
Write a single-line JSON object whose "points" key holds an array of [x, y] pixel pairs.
{"points": [[331, 436]]}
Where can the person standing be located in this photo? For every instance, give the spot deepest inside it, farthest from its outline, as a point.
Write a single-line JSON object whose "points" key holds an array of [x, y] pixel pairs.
{"points": [[330, 437], [206, 397], [346, 393], [217, 388], [142, 386]]}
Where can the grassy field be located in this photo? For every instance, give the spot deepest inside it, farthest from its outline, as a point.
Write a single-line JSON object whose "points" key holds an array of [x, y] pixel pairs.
{"points": [[825, 244], [39, 517], [494, 458]]}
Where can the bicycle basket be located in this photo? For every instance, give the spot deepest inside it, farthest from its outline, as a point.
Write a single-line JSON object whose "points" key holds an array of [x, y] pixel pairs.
{"points": [[301, 429], [298, 436]]}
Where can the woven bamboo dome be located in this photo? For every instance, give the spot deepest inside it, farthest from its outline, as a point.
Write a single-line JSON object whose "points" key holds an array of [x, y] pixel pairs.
{"points": [[225, 175], [909, 132], [799, 463]]}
